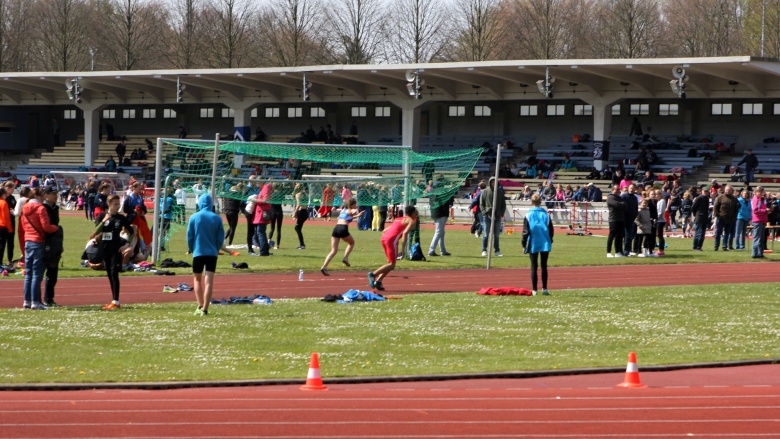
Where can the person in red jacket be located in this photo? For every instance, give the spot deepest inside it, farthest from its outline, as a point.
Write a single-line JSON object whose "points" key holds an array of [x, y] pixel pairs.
{"points": [[35, 222]]}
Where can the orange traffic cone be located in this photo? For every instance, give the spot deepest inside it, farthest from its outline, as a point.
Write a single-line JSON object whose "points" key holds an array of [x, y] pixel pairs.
{"points": [[632, 374], [314, 380]]}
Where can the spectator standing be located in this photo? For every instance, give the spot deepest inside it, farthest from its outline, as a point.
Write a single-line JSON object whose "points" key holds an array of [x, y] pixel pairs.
{"points": [[487, 208], [644, 225], [277, 218], [538, 233], [24, 196], [252, 191], [10, 199], [632, 207], [744, 215], [263, 216], [685, 214], [205, 237], [121, 150], [440, 215], [53, 266], [91, 195], [35, 221], [326, 204], [760, 217], [476, 225], [660, 222], [617, 216], [231, 205], [725, 210], [700, 209], [751, 163], [6, 227]]}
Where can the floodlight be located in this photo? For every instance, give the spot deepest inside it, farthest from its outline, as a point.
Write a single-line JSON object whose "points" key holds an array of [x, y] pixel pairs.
{"points": [[411, 75]]}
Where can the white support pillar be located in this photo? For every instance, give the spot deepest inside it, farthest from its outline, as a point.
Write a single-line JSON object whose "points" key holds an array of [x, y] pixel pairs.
{"points": [[91, 135], [410, 126], [242, 125], [602, 130]]}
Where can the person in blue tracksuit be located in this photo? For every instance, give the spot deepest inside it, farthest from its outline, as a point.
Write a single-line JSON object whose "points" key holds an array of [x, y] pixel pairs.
{"points": [[205, 237], [537, 240]]}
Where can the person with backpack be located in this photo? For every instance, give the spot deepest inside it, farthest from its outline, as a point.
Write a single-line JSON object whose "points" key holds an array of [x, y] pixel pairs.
{"points": [[538, 234], [398, 230], [341, 232]]}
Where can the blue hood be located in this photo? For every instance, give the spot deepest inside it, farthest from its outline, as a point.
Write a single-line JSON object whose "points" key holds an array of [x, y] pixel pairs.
{"points": [[204, 203]]}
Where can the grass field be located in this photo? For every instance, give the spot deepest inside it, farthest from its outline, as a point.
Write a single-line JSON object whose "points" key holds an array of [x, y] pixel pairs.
{"points": [[419, 334], [465, 249]]}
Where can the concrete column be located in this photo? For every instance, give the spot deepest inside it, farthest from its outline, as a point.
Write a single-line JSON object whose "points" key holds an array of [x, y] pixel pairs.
{"points": [[602, 130], [242, 125], [91, 134], [410, 127]]}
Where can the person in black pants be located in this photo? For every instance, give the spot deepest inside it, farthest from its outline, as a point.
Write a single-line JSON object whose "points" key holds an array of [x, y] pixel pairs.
{"points": [[110, 224], [53, 267], [276, 223], [617, 208], [91, 194], [231, 207], [301, 215], [9, 187]]}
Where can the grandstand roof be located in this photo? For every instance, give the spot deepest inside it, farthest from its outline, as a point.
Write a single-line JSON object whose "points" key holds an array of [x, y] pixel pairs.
{"points": [[586, 79]]}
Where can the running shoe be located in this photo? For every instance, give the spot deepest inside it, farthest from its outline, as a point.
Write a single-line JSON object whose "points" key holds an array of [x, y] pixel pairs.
{"points": [[112, 306], [371, 279], [51, 304], [234, 253], [169, 289], [198, 312], [346, 262], [185, 287], [499, 254], [39, 307], [379, 286], [324, 271]]}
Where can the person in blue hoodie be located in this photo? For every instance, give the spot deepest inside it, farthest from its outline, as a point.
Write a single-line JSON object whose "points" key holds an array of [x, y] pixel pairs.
{"points": [[744, 215], [538, 233], [205, 237]]}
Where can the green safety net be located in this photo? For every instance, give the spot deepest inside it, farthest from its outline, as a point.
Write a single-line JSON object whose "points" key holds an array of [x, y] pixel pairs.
{"points": [[317, 174]]}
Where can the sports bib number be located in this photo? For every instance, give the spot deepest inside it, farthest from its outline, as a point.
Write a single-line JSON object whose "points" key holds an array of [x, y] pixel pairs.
{"points": [[108, 236]]}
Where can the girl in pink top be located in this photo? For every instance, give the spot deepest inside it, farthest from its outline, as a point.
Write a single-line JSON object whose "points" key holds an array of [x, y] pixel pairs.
{"points": [[400, 228]]}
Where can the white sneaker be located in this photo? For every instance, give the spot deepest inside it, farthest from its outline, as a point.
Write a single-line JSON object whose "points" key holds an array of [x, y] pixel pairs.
{"points": [[641, 255], [499, 254], [609, 255], [39, 306], [620, 255], [632, 254], [533, 293], [484, 254]]}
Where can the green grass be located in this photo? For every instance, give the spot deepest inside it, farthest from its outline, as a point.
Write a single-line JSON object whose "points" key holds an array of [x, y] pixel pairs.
{"points": [[419, 334], [368, 254]]}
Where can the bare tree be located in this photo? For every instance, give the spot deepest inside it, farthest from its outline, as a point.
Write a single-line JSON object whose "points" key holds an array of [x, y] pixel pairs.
{"points": [[417, 31], [357, 27], [185, 34], [15, 27], [704, 27], [132, 33], [289, 30], [480, 31], [544, 29], [227, 31], [627, 29], [62, 34]]}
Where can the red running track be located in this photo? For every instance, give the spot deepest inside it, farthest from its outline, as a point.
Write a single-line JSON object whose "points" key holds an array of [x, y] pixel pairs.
{"points": [[146, 289], [741, 402]]}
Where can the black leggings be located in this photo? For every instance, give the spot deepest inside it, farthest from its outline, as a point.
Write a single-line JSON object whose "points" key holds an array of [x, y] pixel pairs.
{"points": [[276, 223], [535, 265], [660, 229], [298, 226], [250, 230], [232, 219], [616, 231], [113, 265], [52, 273]]}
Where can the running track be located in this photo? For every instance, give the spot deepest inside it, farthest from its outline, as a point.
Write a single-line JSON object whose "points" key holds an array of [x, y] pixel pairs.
{"points": [[741, 402], [735, 402], [145, 289]]}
